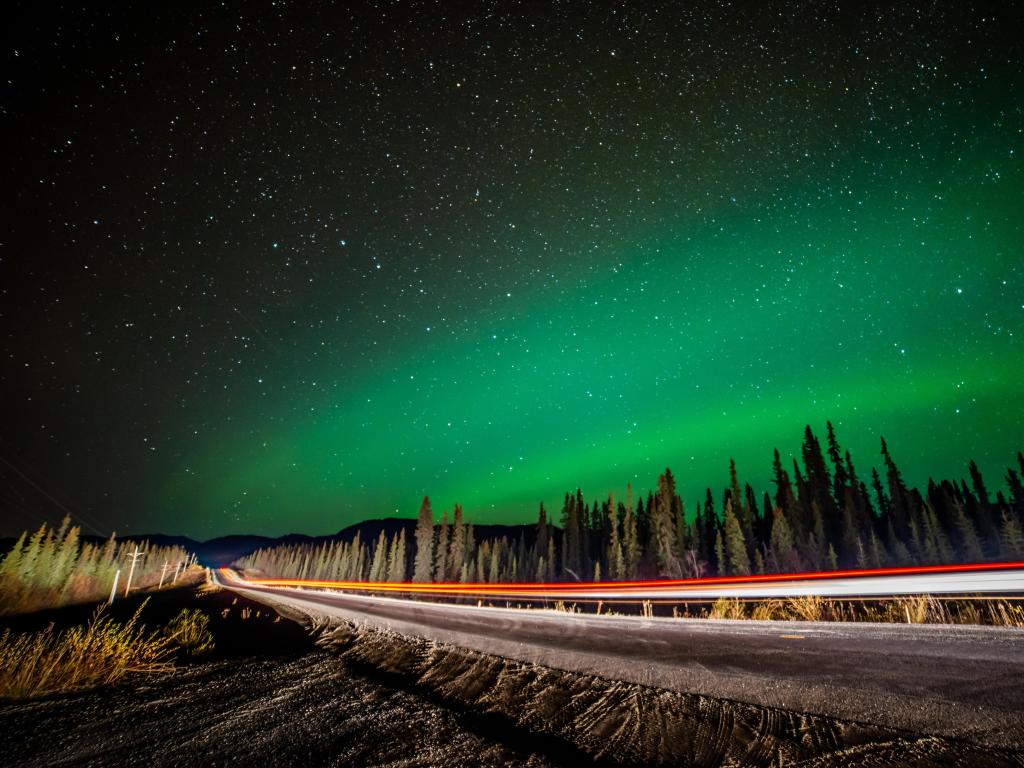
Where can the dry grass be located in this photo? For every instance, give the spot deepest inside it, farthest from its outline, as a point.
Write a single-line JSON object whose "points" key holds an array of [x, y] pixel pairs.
{"points": [[190, 631], [726, 608], [100, 652], [808, 608], [769, 610], [915, 609]]}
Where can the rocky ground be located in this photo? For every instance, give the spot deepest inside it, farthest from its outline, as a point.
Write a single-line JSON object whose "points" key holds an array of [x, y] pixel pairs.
{"points": [[363, 697]]}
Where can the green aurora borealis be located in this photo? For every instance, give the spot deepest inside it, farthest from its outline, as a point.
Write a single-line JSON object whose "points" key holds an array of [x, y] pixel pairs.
{"points": [[614, 282], [680, 365]]}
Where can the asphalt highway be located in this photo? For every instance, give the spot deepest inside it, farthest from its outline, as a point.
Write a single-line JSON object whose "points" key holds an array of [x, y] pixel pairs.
{"points": [[952, 681]]}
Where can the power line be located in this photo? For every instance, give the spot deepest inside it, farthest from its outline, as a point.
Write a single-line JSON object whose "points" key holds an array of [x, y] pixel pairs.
{"points": [[75, 515]]}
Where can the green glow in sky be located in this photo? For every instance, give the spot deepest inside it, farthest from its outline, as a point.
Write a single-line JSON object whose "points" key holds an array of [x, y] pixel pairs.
{"points": [[286, 268], [892, 306]]}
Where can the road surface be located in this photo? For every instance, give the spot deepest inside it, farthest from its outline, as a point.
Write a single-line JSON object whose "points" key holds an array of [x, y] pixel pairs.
{"points": [[951, 681]]}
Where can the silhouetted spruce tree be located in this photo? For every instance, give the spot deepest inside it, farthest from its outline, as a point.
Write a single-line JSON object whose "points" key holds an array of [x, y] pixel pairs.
{"points": [[850, 548], [457, 550], [766, 519], [441, 555], [584, 565], [735, 544], [682, 541], [877, 556], [865, 516], [616, 562], [819, 487], [881, 500], [397, 570], [552, 563], [1011, 541], [784, 498], [970, 546], [542, 530], [710, 532], [1016, 492], [978, 483], [630, 537], [937, 543], [755, 535], [571, 537], [423, 565], [899, 496], [832, 559], [699, 545], [483, 558], [942, 497], [840, 478], [495, 565], [663, 527], [522, 557], [740, 507], [471, 552], [817, 545], [985, 513], [643, 522]]}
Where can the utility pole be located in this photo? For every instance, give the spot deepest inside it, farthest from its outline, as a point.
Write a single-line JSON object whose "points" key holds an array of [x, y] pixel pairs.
{"points": [[177, 567], [113, 589], [163, 572], [131, 572]]}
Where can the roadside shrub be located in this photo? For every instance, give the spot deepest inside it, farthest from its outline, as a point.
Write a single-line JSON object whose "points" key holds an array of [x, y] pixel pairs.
{"points": [[98, 653], [727, 608], [808, 608], [190, 631], [769, 610]]}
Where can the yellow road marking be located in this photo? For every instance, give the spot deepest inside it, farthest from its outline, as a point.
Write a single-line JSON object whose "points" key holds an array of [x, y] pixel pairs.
{"points": [[793, 637]]}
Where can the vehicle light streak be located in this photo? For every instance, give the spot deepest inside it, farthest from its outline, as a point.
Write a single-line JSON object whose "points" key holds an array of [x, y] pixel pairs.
{"points": [[973, 579]]}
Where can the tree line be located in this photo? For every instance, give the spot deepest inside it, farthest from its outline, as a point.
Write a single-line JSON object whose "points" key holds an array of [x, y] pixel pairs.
{"points": [[819, 515], [54, 567]]}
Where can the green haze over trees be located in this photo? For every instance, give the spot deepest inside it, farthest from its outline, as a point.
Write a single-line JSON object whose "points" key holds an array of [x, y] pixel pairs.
{"points": [[820, 517]]}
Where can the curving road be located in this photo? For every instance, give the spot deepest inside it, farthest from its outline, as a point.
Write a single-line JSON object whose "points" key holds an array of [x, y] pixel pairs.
{"points": [[953, 681]]}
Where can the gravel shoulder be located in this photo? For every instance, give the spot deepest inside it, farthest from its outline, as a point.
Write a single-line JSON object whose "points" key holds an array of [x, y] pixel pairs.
{"points": [[950, 682], [325, 690]]}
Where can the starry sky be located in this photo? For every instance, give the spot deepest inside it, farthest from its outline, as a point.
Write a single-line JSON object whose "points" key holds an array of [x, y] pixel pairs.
{"points": [[271, 267]]}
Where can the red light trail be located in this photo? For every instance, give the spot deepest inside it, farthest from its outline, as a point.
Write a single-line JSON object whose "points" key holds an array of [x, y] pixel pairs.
{"points": [[978, 578]]}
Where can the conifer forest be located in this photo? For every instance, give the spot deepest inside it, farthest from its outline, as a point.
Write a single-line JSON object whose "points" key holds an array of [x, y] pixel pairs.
{"points": [[820, 514]]}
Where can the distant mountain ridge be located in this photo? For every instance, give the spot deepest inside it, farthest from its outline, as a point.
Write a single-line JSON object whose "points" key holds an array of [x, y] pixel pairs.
{"points": [[224, 550]]}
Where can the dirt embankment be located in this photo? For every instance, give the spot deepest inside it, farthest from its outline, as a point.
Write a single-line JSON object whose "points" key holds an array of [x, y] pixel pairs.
{"points": [[367, 697], [265, 696], [618, 723]]}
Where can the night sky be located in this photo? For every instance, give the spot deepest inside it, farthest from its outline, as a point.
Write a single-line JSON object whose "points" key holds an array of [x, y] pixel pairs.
{"points": [[283, 267]]}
